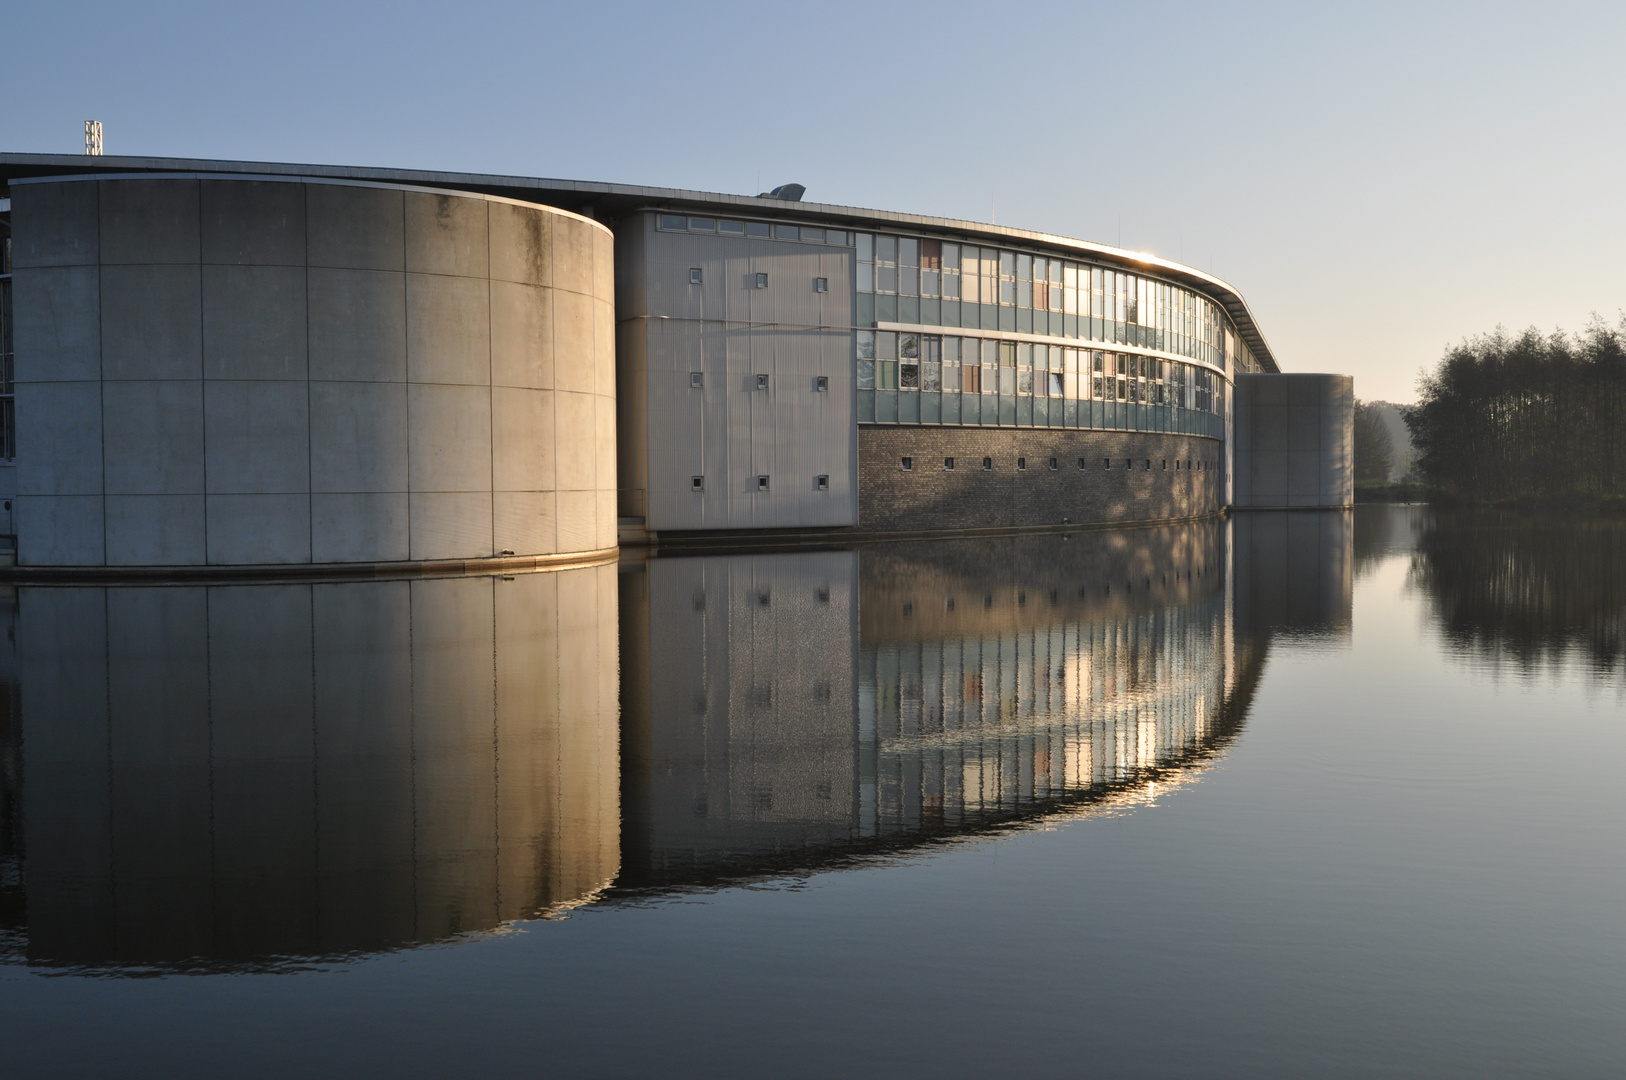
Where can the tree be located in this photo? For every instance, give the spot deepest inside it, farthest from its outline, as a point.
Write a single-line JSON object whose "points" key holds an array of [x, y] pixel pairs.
{"points": [[1374, 449]]}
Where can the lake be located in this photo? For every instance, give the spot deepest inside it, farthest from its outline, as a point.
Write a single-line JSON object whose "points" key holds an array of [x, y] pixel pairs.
{"points": [[1284, 794]]}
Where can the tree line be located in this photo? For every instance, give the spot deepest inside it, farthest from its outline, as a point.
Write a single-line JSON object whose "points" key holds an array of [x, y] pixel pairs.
{"points": [[1517, 416]]}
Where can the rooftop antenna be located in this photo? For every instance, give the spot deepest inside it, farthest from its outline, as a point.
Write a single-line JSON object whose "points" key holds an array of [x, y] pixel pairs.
{"points": [[93, 138]]}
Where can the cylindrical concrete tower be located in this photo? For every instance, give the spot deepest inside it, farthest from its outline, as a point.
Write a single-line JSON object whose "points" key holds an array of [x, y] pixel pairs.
{"points": [[248, 371]]}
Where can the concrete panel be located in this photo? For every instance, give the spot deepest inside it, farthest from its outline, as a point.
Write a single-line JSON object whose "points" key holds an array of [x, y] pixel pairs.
{"points": [[522, 439], [54, 225], [57, 323], [257, 435], [359, 527], [523, 522], [149, 221], [254, 322], [448, 329], [354, 228], [1269, 475], [59, 530], [604, 462], [603, 347], [1304, 428], [576, 425], [451, 525], [153, 438], [1303, 479], [59, 438], [446, 234], [357, 325], [358, 437], [259, 529], [449, 439], [247, 222], [155, 530], [573, 242], [521, 244], [574, 357], [521, 335], [603, 265], [152, 322], [578, 521]]}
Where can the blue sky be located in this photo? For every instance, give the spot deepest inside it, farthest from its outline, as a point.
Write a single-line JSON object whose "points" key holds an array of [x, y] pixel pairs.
{"points": [[1379, 180]]}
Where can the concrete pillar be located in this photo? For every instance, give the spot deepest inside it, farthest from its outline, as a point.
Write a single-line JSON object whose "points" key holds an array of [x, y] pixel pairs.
{"points": [[229, 371], [1294, 442]]}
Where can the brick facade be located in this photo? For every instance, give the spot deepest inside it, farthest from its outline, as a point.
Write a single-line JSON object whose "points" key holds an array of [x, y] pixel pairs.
{"points": [[927, 496]]}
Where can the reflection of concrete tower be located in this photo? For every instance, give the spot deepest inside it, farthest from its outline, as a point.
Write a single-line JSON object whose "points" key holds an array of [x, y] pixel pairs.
{"points": [[233, 773]]}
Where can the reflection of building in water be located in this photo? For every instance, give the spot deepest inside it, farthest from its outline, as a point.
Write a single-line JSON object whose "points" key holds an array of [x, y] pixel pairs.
{"points": [[773, 727], [1295, 572], [233, 774]]}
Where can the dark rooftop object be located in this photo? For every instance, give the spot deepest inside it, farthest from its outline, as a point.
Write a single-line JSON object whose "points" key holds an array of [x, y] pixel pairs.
{"points": [[787, 192]]}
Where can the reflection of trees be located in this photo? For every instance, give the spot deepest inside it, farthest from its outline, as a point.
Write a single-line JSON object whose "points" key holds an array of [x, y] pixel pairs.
{"points": [[1526, 590]]}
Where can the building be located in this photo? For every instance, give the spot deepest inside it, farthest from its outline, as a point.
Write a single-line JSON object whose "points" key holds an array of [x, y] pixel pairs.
{"points": [[230, 364]]}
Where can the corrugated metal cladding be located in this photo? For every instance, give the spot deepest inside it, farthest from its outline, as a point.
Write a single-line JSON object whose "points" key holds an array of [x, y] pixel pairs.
{"points": [[736, 427]]}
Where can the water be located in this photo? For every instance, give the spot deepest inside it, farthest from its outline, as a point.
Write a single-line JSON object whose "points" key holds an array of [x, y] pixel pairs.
{"points": [[1290, 795]]}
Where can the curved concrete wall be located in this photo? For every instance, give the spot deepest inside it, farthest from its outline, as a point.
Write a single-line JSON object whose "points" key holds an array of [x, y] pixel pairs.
{"points": [[1294, 442], [235, 371]]}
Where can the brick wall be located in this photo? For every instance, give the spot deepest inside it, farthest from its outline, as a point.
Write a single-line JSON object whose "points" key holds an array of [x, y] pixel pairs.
{"points": [[928, 496]]}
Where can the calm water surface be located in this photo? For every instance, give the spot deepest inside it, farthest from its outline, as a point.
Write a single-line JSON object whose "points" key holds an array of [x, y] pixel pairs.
{"points": [[1287, 795]]}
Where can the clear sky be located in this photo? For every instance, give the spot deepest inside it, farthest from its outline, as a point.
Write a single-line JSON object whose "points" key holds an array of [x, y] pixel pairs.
{"points": [[1379, 180]]}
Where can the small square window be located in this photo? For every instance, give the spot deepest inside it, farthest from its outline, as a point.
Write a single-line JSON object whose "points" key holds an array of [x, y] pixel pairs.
{"points": [[821, 284], [694, 275], [1021, 463], [762, 482], [697, 483], [1054, 465], [948, 464], [908, 463], [987, 464], [821, 384], [696, 380], [822, 482], [762, 382], [762, 281]]}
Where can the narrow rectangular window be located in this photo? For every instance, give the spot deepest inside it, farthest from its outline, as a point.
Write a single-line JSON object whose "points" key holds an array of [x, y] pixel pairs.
{"points": [[948, 464], [762, 382], [821, 384], [987, 464], [821, 284], [908, 464], [823, 481], [1054, 465], [1021, 463], [762, 281]]}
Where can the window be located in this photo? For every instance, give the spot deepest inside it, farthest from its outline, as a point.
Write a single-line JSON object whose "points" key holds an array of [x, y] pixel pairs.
{"points": [[1081, 463], [909, 361], [931, 362], [948, 464], [908, 464], [1165, 464], [757, 228], [733, 228], [865, 372], [762, 281], [762, 482], [1147, 464], [1106, 463], [822, 482], [786, 232], [697, 483], [696, 380], [762, 382], [673, 221], [931, 267], [821, 384], [1054, 465], [1021, 463], [694, 275], [821, 284], [987, 464]]}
